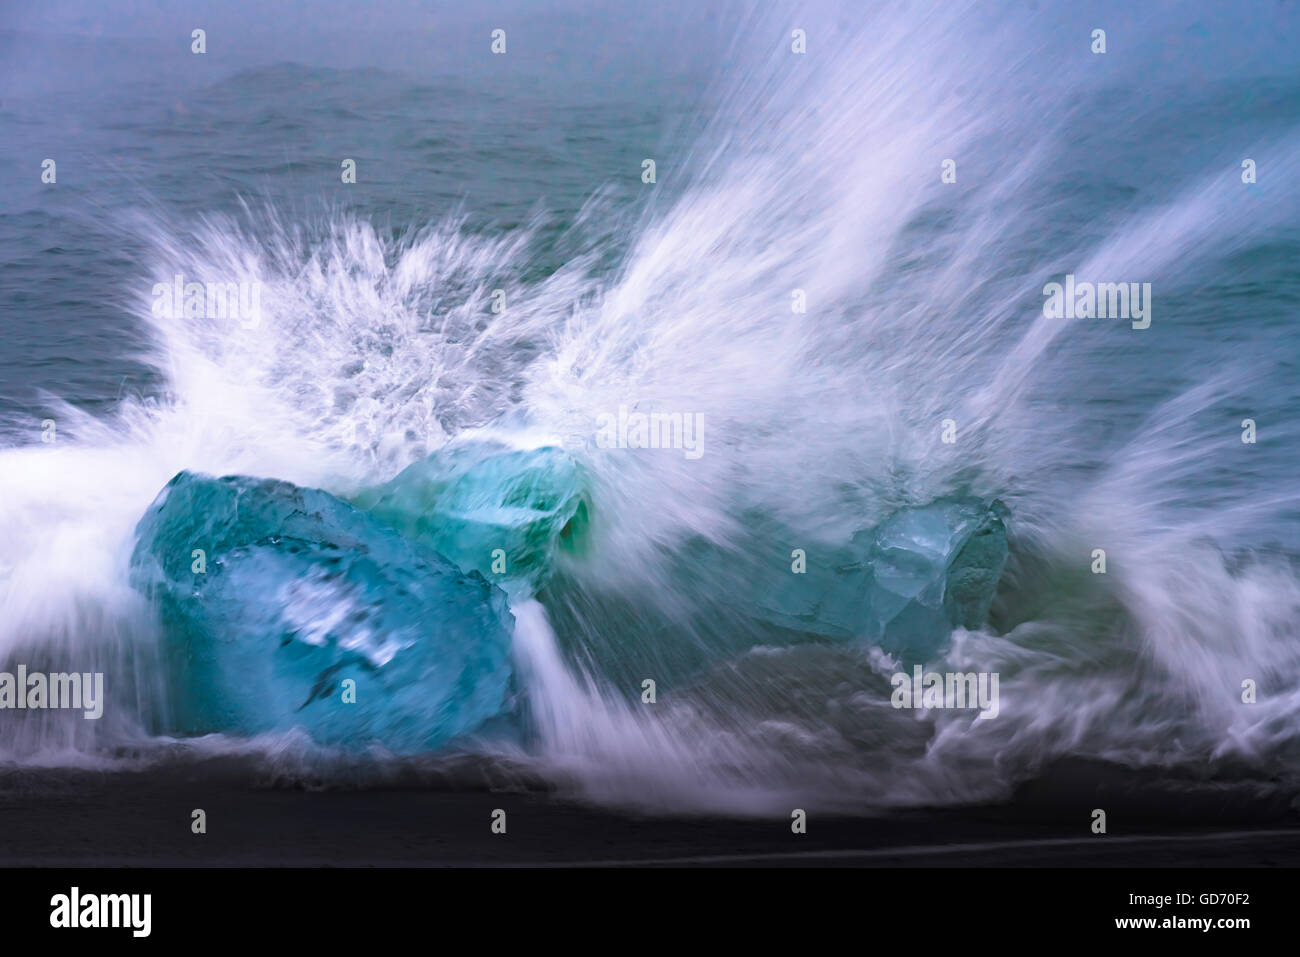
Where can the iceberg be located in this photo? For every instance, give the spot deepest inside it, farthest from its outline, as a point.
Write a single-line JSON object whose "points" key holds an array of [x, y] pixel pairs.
{"points": [[273, 596], [903, 585], [504, 512]]}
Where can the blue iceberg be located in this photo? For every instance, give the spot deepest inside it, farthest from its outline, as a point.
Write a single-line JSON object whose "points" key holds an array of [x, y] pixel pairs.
{"points": [[295, 593], [504, 512]]}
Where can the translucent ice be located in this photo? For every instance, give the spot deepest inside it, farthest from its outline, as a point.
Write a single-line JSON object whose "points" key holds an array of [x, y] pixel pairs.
{"points": [[903, 585], [505, 512], [273, 596]]}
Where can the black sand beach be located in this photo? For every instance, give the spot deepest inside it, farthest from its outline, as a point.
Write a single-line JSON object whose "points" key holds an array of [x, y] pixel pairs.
{"points": [[88, 819]]}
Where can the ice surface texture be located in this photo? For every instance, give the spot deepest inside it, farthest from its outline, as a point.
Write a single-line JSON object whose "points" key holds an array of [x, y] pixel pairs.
{"points": [[505, 512], [301, 591], [902, 585]]}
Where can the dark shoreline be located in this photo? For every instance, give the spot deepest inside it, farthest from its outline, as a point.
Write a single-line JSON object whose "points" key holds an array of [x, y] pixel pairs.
{"points": [[62, 818]]}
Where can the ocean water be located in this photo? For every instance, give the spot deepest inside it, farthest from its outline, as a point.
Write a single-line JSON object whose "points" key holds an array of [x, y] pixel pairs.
{"points": [[775, 171]]}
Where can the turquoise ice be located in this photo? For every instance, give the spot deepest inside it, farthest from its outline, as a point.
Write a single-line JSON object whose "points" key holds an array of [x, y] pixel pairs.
{"points": [[274, 596], [502, 511], [296, 592], [903, 585]]}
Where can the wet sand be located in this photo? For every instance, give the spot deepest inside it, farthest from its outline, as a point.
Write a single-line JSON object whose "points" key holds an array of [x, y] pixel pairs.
{"points": [[78, 818]]}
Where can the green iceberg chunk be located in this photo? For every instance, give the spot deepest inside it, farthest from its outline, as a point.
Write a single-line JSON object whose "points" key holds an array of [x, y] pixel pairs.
{"points": [[504, 512], [903, 585]]}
